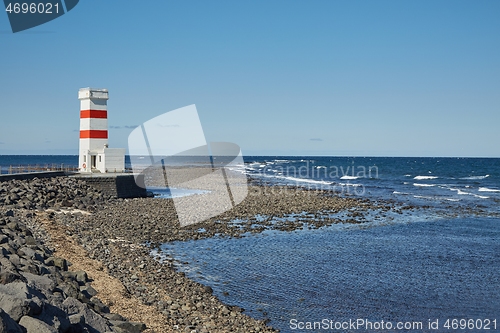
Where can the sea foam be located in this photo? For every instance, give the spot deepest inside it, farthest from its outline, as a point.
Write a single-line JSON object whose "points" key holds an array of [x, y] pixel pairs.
{"points": [[425, 177], [475, 177], [348, 177], [305, 180], [485, 189]]}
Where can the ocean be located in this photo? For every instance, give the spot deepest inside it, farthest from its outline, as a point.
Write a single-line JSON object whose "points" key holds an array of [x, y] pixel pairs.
{"points": [[435, 268], [438, 182]]}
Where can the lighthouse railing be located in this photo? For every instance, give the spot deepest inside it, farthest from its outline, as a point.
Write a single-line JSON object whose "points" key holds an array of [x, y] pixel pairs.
{"points": [[28, 168]]}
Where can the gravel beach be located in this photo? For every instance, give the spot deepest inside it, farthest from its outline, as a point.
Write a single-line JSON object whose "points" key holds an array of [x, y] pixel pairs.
{"points": [[68, 247]]}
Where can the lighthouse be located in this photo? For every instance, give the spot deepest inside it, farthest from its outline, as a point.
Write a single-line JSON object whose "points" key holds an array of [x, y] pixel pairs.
{"points": [[94, 154]]}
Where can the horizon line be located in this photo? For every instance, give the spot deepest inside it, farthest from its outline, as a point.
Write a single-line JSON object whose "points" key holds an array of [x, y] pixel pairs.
{"points": [[305, 155]]}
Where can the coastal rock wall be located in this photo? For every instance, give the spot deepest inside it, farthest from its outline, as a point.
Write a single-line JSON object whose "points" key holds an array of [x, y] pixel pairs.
{"points": [[117, 186], [122, 186], [55, 193], [39, 292], [32, 175]]}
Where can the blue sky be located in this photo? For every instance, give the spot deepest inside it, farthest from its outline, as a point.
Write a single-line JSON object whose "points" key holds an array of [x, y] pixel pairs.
{"points": [[377, 78]]}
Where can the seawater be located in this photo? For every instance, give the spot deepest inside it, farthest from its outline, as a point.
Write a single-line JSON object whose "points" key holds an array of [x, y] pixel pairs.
{"points": [[444, 182], [409, 272], [419, 268]]}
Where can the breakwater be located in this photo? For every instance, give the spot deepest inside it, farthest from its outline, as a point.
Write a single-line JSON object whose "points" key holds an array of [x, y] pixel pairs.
{"points": [[39, 292]]}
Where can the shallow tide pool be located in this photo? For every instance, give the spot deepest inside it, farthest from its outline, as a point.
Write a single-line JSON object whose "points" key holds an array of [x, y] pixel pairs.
{"points": [[402, 272]]}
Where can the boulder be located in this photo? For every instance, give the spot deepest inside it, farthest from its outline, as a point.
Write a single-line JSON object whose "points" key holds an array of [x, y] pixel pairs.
{"points": [[8, 276], [73, 306], [128, 326], [43, 283], [76, 319], [98, 305], [33, 325], [6, 264], [68, 289], [81, 277], [88, 292], [58, 262], [4, 252], [7, 324], [19, 299], [14, 306], [4, 239], [55, 317]]}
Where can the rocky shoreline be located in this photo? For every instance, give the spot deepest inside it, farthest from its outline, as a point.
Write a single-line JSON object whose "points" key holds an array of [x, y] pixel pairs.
{"points": [[47, 221], [39, 291]]}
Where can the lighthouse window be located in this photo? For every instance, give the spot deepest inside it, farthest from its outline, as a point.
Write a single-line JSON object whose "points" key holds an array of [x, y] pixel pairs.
{"points": [[84, 159], [99, 158]]}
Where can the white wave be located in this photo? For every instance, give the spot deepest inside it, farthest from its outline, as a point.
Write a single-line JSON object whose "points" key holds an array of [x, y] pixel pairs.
{"points": [[348, 177], [253, 166], [434, 198], [348, 184], [402, 193], [475, 177], [425, 177], [304, 180], [423, 197], [238, 169], [407, 175], [485, 189], [460, 192], [445, 186], [423, 185]]}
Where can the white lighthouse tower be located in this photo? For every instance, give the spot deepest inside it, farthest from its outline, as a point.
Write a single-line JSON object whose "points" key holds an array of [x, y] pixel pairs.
{"points": [[94, 154]]}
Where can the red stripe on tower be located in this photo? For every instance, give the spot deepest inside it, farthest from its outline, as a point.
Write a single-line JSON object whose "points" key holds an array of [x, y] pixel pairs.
{"points": [[99, 114], [93, 134]]}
